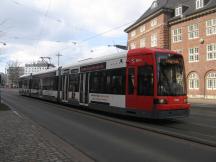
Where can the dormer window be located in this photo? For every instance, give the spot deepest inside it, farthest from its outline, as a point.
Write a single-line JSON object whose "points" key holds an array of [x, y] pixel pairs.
{"points": [[199, 4], [154, 4], [178, 11]]}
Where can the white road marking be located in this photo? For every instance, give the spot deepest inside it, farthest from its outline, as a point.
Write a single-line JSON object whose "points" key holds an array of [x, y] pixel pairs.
{"points": [[15, 112]]}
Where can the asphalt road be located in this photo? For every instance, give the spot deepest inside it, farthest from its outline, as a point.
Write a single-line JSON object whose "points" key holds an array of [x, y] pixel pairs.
{"points": [[105, 140]]}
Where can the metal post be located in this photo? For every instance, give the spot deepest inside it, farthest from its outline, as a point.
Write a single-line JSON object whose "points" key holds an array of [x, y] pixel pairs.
{"points": [[59, 84], [4, 44], [0, 93], [58, 55]]}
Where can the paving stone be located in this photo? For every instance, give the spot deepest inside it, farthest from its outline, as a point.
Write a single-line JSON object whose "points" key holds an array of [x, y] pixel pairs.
{"points": [[22, 140]]}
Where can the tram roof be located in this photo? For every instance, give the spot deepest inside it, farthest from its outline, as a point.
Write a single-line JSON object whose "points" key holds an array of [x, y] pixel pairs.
{"points": [[96, 60]]}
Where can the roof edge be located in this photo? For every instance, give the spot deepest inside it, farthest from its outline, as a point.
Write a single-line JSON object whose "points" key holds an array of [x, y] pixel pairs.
{"points": [[131, 27], [204, 12]]}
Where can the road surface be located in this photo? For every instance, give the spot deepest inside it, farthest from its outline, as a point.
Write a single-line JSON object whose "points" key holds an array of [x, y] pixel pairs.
{"points": [[108, 141]]}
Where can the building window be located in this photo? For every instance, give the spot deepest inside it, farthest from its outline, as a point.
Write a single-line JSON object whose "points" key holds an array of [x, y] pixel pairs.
{"points": [[199, 4], [153, 22], [133, 33], [178, 11], [211, 52], [193, 81], [132, 45], [193, 54], [211, 27], [142, 42], [193, 31], [154, 40], [211, 81], [142, 28], [177, 35]]}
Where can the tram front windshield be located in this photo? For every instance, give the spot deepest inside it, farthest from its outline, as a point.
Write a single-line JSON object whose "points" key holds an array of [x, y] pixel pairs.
{"points": [[170, 75]]}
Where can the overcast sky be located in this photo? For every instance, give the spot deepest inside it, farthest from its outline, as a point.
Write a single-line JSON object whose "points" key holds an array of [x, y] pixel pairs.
{"points": [[38, 28]]}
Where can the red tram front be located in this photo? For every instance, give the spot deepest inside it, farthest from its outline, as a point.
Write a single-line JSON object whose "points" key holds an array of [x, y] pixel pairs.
{"points": [[156, 84]]}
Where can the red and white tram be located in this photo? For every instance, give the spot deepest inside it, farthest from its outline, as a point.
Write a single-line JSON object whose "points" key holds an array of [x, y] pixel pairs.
{"points": [[141, 82]]}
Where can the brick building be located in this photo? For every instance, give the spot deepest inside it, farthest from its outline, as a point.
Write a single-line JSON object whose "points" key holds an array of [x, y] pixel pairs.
{"points": [[188, 27]]}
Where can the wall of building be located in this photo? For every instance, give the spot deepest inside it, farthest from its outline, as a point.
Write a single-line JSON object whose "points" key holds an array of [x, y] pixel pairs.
{"points": [[203, 66], [161, 29]]}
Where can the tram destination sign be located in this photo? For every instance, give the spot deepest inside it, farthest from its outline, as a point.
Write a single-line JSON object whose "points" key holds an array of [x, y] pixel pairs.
{"points": [[94, 67]]}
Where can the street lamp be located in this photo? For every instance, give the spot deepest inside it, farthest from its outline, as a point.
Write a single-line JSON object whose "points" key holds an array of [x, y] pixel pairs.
{"points": [[4, 44]]}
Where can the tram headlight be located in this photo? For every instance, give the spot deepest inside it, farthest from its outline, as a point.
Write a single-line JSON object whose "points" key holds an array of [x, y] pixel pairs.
{"points": [[160, 101]]}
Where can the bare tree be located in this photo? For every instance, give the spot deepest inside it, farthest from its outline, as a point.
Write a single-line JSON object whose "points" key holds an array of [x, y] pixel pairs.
{"points": [[14, 71]]}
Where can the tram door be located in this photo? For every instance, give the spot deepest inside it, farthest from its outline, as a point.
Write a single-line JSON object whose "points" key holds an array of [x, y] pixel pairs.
{"points": [[140, 83], [65, 80], [84, 88]]}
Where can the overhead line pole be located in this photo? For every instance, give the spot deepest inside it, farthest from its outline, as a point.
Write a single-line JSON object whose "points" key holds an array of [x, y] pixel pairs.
{"points": [[58, 55], [4, 44]]}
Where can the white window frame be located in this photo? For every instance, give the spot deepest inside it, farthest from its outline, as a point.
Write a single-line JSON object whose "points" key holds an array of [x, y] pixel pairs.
{"points": [[142, 28], [132, 45], [211, 81], [199, 4], [133, 33], [154, 40], [193, 81], [211, 51], [154, 22], [193, 54], [142, 42], [177, 35], [211, 27], [193, 31], [178, 11]]}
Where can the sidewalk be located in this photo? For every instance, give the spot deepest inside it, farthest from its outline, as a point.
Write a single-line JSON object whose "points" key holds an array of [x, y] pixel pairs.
{"points": [[202, 101], [22, 140]]}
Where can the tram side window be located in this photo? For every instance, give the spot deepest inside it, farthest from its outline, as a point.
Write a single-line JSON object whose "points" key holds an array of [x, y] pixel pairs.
{"points": [[35, 83], [74, 82], [25, 84], [53, 83], [95, 82], [131, 77], [118, 81], [45, 83], [145, 80], [108, 82], [20, 83], [50, 83]]}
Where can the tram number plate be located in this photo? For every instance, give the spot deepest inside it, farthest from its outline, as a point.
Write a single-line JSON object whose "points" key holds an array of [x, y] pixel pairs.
{"points": [[176, 100]]}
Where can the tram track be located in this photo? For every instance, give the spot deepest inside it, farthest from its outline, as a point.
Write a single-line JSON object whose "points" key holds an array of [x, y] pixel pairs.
{"points": [[153, 126]]}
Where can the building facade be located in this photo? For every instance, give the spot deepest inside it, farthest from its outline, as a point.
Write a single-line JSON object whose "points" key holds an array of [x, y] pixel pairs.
{"points": [[36, 67], [13, 74], [188, 27]]}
